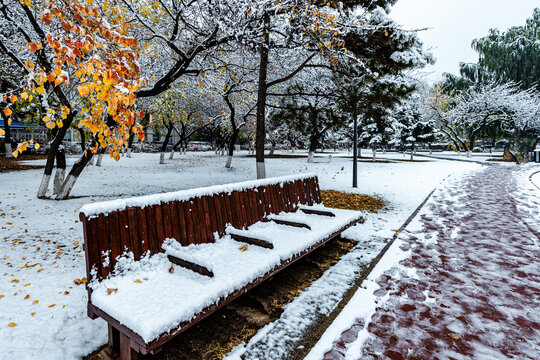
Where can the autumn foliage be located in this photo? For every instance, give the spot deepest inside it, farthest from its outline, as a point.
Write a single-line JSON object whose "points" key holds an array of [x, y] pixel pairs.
{"points": [[92, 52]]}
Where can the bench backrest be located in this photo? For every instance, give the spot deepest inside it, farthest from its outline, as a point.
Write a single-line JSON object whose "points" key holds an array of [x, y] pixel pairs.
{"points": [[191, 217]]}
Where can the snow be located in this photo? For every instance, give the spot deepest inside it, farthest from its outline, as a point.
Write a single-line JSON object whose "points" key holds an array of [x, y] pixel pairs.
{"points": [[48, 233], [92, 210]]}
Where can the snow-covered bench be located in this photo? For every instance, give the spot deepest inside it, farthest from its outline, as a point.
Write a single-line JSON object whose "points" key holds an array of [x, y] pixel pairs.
{"points": [[158, 264]]}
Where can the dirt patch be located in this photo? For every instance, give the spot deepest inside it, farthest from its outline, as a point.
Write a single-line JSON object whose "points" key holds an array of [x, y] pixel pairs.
{"points": [[15, 164], [498, 160], [342, 200], [238, 321]]}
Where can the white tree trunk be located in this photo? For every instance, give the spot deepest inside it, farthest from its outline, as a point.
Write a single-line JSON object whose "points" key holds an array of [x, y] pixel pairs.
{"points": [[59, 176], [469, 153], [229, 161], [412, 155], [9, 150], [68, 186], [310, 157], [91, 162], [100, 157], [292, 149], [374, 154], [42, 191], [171, 156], [162, 158], [129, 152], [261, 170]]}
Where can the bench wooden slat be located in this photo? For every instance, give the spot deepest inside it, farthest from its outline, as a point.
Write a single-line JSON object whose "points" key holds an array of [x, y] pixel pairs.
{"points": [[190, 266], [152, 229], [143, 232], [123, 227], [207, 221], [91, 246], [175, 223], [254, 205], [318, 212], [291, 223], [212, 213], [104, 245], [114, 238], [182, 223], [134, 238], [252, 241], [160, 226], [190, 220], [219, 214], [167, 221]]}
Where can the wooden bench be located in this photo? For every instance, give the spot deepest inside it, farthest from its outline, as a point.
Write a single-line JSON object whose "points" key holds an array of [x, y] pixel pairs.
{"points": [[195, 219]]}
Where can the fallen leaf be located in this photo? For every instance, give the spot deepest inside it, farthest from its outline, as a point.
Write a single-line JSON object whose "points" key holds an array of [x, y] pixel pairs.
{"points": [[454, 336], [243, 248], [27, 297], [171, 270], [36, 301], [110, 291], [12, 324], [33, 313], [138, 281], [52, 305]]}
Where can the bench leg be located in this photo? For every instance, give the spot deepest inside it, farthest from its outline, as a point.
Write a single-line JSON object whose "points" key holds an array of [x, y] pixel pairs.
{"points": [[126, 352], [118, 347]]}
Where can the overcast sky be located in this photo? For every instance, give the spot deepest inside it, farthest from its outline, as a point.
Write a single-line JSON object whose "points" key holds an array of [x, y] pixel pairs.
{"points": [[455, 23]]}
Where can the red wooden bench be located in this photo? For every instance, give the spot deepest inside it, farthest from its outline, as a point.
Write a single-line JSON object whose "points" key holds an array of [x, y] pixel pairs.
{"points": [[141, 226]]}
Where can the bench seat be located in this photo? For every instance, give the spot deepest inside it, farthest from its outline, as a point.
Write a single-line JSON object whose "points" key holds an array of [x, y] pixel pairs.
{"points": [[147, 298]]}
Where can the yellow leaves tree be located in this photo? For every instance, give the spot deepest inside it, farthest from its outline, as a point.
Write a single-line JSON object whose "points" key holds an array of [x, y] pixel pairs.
{"points": [[86, 47]]}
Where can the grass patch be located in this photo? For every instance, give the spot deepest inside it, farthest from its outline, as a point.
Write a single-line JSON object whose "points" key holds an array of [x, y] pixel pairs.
{"points": [[342, 200], [13, 164]]}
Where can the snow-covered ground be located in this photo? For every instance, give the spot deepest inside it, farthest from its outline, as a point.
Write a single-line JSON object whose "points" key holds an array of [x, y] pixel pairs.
{"points": [[43, 310], [535, 178]]}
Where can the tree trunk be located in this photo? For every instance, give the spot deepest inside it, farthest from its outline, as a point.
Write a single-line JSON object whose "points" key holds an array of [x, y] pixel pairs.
{"points": [[82, 139], [60, 134], [171, 155], [272, 149], [374, 150], [73, 175], [7, 137], [99, 158], [60, 173], [234, 135], [412, 152], [170, 127], [260, 135]]}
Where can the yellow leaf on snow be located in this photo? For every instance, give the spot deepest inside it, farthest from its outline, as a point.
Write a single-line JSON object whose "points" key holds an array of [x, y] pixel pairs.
{"points": [[12, 324], [110, 291], [243, 248]]}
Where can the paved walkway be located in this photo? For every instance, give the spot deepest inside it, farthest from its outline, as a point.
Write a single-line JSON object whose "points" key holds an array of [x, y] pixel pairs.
{"points": [[470, 288]]}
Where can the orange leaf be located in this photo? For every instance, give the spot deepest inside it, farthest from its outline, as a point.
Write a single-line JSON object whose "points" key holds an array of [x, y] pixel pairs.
{"points": [[138, 281], [52, 305], [15, 154], [83, 90], [33, 313], [7, 111], [12, 324], [243, 248], [13, 98], [110, 291], [2, 132], [171, 270], [27, 297], [36, 301], [32, 46]]}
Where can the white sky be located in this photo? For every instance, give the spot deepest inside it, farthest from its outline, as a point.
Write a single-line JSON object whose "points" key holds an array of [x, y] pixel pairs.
{"points": [[455, 23]]}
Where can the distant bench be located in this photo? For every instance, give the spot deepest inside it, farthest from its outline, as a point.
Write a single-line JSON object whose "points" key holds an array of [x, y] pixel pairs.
{"points": [[204, 233]]}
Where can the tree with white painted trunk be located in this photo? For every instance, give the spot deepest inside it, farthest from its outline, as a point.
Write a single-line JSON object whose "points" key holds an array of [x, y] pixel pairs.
{"points": [[88, 79]]}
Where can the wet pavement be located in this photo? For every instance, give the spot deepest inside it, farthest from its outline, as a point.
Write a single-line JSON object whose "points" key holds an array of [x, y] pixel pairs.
{"points": [[470, 287]]}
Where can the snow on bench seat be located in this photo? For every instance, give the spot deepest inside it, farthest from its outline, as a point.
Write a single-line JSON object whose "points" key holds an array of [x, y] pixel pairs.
{"points": [[144, 296]]}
